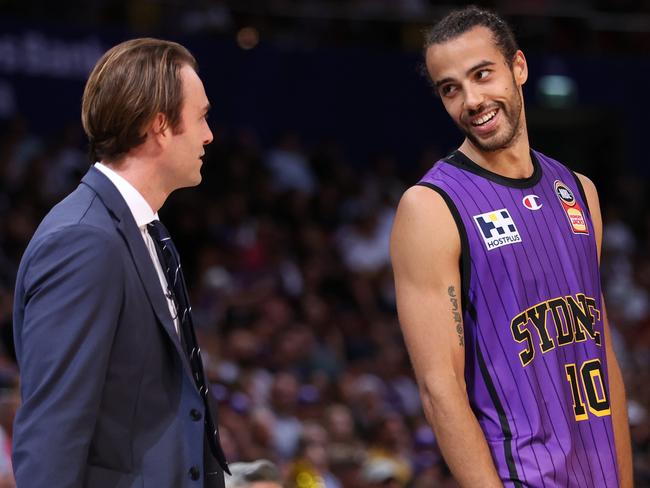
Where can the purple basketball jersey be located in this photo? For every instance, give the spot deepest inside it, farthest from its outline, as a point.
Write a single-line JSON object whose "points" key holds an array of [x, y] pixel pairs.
{"points": [[535, 347]]}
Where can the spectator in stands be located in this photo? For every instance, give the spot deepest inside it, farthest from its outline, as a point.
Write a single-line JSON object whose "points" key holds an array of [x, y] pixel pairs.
{"points": [[257, 474]]}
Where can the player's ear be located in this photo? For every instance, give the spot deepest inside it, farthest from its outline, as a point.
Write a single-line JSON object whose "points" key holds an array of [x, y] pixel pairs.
{"points": [[520, 68]]}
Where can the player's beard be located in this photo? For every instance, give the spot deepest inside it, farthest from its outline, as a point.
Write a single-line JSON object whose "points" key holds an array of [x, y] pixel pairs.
{"points": [[511, 111]]}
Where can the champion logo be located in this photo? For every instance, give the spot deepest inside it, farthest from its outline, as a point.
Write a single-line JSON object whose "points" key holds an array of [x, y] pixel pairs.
{"points": [[531, 202]]}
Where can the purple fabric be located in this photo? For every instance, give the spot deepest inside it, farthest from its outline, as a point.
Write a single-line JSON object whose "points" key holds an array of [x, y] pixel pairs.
{"points": [[526, 406]]}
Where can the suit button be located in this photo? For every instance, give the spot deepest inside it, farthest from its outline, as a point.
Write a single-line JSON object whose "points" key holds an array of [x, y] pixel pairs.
{"points": [[196, 415], [195, 474]]}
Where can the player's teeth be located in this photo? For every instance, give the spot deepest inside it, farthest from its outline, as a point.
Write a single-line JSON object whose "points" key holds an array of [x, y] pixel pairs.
{"points": [[485, 118]]}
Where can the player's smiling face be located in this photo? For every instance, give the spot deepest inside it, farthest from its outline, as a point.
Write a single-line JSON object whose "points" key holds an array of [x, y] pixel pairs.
{"points": [[479, 89]]}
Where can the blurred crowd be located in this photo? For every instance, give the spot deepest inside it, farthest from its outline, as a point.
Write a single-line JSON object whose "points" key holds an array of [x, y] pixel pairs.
{"points": [[285, 247], [578, 25]]}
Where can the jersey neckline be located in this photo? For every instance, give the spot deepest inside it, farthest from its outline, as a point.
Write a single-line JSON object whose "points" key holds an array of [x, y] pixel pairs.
{"points": [[461, 161]]}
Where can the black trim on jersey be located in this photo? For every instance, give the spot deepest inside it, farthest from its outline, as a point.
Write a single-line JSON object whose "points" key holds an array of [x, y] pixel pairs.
{"points": [[503, 420], [465, 275], [581, 189], [461, 161], [464, 264]]}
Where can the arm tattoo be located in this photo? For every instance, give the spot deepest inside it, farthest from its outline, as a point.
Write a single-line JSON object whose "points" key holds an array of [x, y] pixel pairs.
{"points": [[457, 317]]}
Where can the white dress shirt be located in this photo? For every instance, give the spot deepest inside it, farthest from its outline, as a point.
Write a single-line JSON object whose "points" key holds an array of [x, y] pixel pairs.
{"points": [[142, 214]]}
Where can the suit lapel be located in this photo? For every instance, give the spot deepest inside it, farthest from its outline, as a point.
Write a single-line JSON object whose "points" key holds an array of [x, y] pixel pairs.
{"points": [[126, 226]]}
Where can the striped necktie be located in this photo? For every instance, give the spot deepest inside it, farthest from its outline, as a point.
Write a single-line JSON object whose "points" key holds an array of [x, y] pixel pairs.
{"points": [[170, 260]]}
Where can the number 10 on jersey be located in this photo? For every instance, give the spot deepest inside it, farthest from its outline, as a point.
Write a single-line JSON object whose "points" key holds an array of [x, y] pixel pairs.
{"points": [[590, 380]]}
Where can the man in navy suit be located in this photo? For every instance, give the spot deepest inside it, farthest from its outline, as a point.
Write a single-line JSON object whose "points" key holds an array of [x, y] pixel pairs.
{"points": [[110, 396]]}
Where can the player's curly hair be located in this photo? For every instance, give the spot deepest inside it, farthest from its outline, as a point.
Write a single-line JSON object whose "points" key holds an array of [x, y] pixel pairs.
{"points": [[460, 21], [129, 85]]}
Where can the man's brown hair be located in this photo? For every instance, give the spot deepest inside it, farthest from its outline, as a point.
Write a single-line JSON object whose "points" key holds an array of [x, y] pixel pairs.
{"points": [[129, 85]]}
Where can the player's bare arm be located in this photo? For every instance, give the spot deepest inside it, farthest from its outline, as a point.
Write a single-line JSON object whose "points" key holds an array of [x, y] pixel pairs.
{"points": [[425, 252], [616, 385]]}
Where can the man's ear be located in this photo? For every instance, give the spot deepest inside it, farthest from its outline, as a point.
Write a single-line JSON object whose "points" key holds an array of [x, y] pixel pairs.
{"points": [[520, 68], [159, 129]]}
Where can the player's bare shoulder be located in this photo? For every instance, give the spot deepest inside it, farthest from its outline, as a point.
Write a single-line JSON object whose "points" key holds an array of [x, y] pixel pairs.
{"points": [[424, 226], [591, 194], [588, 187]]}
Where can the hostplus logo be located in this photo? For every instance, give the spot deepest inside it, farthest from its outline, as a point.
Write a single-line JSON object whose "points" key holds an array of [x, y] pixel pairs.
{"points": [[497, 228]]}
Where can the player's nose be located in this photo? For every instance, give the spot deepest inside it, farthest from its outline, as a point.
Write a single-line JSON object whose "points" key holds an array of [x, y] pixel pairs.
{"points": [[473, 97]]}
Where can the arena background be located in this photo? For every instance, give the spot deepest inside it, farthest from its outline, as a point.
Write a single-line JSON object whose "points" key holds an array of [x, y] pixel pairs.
{"points": [[321, 119]]}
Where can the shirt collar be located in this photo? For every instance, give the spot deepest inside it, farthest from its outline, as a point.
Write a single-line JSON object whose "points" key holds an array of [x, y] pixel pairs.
{"points": [[142, 212]]}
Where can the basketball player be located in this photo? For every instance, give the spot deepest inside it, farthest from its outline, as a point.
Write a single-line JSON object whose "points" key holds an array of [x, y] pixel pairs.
{"points": [[496, 260]]}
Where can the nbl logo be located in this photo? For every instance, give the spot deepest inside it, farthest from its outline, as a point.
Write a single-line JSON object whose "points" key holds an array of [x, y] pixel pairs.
{"points": [[497, 228]]}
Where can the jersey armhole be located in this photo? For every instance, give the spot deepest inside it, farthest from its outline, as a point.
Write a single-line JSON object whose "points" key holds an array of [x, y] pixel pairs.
{"points": [[581, 190], [465, 260]]}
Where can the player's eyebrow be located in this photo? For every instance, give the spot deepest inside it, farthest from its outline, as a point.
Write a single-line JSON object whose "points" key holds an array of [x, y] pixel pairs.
{"points": [[476, 67], [207, 108]]}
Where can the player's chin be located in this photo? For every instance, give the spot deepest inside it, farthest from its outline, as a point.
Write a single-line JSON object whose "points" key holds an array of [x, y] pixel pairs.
{"points": [[487, 143]]}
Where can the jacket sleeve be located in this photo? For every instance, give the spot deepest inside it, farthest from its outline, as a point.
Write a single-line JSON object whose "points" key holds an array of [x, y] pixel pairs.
{"points": [[70, 299]]}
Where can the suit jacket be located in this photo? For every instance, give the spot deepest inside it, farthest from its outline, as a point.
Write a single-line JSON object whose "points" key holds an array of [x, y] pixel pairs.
{"points": [[108, 399]]}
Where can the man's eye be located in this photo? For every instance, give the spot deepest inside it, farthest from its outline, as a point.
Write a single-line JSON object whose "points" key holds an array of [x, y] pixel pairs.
{"points": [[482, 74], [447, 90]]}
